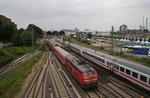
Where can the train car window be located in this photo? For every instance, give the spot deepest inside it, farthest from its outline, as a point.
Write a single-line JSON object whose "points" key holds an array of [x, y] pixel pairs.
{"points": [[143, 78], [107, 63], [97, 58], [122, 69], [128, 72], [93, 73], [110, 64], [103, 61], [117, 67], [149, 81], [134, 74]]}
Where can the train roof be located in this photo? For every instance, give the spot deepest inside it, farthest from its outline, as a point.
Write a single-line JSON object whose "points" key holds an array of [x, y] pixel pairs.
{"points": [[134, 66], [97, 54], [129, 64], [62, 51], [79, 63], [77, 46]]}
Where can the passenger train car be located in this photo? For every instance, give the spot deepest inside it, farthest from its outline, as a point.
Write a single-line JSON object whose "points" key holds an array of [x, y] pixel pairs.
{"points": [[136, 73], [86, 76]]}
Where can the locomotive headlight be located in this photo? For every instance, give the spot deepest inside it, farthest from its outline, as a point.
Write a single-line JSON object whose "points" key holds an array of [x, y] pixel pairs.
{"points": [[94, 79]]}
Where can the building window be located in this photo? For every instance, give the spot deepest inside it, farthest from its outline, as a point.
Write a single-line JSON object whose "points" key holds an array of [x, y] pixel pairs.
{"points": [[143, 78], [122, 69], [134, 74], [128, 72]]}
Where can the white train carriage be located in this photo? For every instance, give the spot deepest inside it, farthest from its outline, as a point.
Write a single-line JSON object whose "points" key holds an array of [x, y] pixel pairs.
{"points": [[136, 73]]}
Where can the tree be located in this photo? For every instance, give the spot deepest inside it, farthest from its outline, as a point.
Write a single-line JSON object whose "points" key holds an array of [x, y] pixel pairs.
{"points": [[132, 39], [6, 33], [144, 40], [38, 32], [136, 39], [26, 38], [129, 38], [140, 39], [149, 39], [16, 39], [7, 28]]}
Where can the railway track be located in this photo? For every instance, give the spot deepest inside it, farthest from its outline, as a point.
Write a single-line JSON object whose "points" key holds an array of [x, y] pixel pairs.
{"points": [[14, 64], [123, 88], [63, 85], [49, 81], [37, 86]]}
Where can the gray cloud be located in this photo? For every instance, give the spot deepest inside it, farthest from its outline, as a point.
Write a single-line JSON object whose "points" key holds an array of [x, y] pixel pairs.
{"points": [[92, 14]]}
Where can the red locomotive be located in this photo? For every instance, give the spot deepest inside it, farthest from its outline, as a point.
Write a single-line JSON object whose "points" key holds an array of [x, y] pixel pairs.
{"points": [[85, 75]]}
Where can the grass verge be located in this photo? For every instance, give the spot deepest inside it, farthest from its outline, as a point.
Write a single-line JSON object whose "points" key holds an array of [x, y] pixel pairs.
{"points": [[12, 83], [8, 54]]}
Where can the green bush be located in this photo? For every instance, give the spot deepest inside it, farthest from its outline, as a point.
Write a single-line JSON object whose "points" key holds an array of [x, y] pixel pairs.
{"points": [[8, 54]]}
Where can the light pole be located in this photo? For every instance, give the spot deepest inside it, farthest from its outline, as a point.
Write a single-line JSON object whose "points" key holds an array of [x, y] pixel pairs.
{"points": [[112, 42]]}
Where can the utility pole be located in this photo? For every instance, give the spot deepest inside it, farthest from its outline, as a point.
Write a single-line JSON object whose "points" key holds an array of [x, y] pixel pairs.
{"points": [[112, 42], [44, 39], [31, 56], [69, 42], [143, 25], [146, 22]]}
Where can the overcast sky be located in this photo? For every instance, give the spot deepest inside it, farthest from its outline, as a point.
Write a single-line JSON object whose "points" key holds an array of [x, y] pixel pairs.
{"points": [[83, 14]]}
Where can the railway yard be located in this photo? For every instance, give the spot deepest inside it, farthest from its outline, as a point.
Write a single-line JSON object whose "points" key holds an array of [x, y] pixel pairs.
{"points": [[52, 79]]}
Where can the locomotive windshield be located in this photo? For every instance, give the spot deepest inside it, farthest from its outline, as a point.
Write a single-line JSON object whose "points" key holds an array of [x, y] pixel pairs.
{"points": [[93, 73], [86, 74]]}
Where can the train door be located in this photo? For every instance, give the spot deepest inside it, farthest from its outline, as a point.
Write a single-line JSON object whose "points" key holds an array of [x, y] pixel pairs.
{"points": [[149, 52], [109, 65]]}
